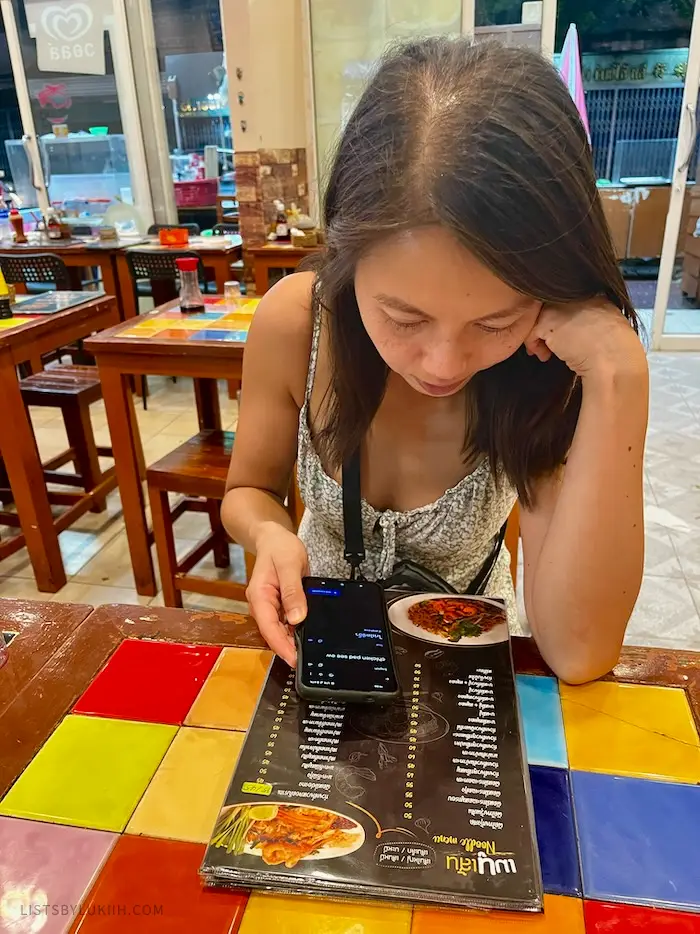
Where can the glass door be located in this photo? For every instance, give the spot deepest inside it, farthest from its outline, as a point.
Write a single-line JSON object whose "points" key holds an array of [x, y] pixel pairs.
{"points": [[82, 149], [676, 318], [512, 22]]}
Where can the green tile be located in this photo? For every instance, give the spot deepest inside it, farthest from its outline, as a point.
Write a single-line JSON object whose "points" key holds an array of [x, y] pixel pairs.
{"points": [[91, 772]]}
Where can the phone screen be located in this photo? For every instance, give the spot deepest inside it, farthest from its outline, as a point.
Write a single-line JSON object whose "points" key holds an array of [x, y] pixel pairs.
{"points": [[345, 643]]}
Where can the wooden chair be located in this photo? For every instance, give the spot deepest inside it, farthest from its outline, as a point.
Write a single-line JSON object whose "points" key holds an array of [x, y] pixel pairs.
{"points": [[72, 389], [512, 540], [196, 470]]}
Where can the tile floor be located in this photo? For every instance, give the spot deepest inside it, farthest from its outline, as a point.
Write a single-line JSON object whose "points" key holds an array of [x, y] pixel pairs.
{"points": [[668, 610]]}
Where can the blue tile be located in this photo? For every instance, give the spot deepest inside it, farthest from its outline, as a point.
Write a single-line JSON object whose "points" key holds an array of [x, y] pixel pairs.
{"points": [[207, 315], [217, 334], [556, 835], [540, 707], [639, 840]]}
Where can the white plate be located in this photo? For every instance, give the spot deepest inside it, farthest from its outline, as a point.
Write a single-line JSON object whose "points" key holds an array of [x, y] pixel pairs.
{"points": [[357, 834], [398, 614]]}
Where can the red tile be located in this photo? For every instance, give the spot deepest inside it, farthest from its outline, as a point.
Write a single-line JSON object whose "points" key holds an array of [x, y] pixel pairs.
{"points": [[604, 918], [152, 681], [153, 885]]}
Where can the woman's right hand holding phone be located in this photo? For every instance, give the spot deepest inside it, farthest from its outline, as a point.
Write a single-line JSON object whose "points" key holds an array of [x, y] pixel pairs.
{"points": [[275, 592]]}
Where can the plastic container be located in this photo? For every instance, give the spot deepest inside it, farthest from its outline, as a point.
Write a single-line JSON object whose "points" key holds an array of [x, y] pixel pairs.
{"points": [[191, 298], [99, 130], [196, 194], [174, 236]]}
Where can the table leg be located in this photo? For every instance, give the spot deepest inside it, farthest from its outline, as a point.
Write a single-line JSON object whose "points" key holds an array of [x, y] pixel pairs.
{"points": [[109, 281], [261, 272], [206, 394], [23, 465], [128, 460], [221, 266], [127, 290]]}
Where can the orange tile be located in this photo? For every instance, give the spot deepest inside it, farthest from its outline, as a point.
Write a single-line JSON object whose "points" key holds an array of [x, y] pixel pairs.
{"points": [[229, 696], [561, 916], [296, 914], [631, 729]]}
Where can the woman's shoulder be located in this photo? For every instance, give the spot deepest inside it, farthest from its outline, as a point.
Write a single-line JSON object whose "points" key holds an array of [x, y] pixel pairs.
{"points": [[282, 330]]}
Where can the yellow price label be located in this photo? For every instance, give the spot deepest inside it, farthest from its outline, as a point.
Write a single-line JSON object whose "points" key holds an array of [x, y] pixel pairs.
{"points": [[256, 788]]}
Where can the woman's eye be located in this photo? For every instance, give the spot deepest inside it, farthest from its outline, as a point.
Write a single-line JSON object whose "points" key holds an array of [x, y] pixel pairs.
{"points": [[404, 325], [489, 330]]}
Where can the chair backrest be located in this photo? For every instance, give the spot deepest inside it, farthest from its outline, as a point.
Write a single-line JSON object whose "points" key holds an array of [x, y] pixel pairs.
{"points": [[220, 230], [192, 229], [159, 264], [38, 268]]}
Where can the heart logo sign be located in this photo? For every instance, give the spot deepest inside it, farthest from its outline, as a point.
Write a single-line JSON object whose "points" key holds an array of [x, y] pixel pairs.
{"points": [[67, 23]]}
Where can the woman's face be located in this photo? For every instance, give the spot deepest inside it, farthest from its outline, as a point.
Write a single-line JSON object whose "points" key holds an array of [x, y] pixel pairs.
{"points": [[436, 315]]}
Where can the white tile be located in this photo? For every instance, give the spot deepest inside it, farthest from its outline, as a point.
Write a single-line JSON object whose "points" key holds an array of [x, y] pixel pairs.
{"points": [[665, 614], [96, 595]]}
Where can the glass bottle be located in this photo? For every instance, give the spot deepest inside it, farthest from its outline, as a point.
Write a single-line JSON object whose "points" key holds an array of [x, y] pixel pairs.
{"points": [[191, 298]]}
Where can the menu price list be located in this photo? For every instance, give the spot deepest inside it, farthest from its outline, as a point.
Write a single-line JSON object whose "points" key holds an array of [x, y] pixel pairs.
{"points": [[425, 800]]}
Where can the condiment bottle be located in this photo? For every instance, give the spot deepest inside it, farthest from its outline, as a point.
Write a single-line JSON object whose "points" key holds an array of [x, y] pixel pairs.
{"points": [[17, 224], [281, 222], [191, 298]]}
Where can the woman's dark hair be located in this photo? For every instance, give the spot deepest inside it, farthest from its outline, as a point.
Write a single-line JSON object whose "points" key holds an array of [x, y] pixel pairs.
{"points": [[485, 141]]}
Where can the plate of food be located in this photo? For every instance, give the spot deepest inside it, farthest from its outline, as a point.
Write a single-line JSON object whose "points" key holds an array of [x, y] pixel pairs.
{"points": [[451, 620], [284, 834]]}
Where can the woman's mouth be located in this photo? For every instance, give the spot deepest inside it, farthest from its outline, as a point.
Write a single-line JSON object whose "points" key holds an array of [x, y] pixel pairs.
{"points": [[440, 389]]}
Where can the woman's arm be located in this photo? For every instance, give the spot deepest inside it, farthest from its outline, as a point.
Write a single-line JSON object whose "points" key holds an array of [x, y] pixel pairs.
{"points": [[583, 542], [274, 377], [275, 364]]}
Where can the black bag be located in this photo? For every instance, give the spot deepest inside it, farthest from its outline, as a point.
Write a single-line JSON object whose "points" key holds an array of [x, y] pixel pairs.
{"points": [[406, 575]]}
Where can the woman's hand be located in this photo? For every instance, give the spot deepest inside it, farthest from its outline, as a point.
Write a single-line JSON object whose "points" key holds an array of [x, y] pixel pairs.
{"points": [[590, 338], [275, 591]]}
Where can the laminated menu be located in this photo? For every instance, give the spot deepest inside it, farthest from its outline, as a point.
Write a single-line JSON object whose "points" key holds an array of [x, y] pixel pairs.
{"points": [[427, 799]]}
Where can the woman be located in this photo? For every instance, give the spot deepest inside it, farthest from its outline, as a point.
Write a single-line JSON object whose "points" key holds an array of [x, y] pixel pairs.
{"points": [[469, 331]]}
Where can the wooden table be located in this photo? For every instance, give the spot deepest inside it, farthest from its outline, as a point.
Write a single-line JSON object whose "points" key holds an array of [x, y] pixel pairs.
{"points": [[81, 253], [276, 256], [51, 666], [22, 340], [167, 343], [217, 253]]}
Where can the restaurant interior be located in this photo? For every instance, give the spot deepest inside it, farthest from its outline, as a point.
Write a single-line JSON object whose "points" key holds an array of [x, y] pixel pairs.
{"points": [[157, 151]]}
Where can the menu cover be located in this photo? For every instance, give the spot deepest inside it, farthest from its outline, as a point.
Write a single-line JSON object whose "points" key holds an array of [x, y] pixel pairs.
{"points": [[426, 800], [48, 303]]}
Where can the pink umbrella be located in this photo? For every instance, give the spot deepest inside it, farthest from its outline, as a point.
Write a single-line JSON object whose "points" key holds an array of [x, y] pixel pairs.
{"points": [[570, 69]]}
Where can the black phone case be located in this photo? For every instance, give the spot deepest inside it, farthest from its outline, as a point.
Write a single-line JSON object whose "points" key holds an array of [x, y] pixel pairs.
{"points": [[349, 697]]}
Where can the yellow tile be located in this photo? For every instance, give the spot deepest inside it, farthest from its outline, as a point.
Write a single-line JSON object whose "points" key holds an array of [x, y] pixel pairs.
{"points": [[631, 729], [231, 691], [185, 795], [294, 914], [561, 916]]}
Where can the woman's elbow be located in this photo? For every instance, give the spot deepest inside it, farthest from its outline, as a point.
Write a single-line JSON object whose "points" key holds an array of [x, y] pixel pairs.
{"points": [[581, 665]]}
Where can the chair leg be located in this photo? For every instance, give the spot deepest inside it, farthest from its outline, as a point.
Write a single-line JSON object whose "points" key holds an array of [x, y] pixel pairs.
{"points": [[144, 392], [222, 558], [162, 523], [81, 439]]}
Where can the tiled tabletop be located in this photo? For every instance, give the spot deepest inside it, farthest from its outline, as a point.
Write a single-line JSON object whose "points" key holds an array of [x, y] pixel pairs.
{"points": [[112, 815]]}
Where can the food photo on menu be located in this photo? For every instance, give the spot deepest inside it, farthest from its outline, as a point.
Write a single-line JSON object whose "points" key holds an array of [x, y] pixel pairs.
{"points": [[426, 799]]}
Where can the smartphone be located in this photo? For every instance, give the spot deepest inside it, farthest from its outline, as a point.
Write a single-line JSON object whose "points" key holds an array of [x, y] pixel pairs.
{"points": [[344, 646]]}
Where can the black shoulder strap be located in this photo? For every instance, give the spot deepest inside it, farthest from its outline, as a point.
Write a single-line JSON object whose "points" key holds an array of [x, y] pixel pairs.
{"points": [[352, 514]]}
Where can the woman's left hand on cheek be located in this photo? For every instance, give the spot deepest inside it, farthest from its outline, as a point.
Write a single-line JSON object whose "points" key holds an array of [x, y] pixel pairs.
{"points": [[589, 337]]}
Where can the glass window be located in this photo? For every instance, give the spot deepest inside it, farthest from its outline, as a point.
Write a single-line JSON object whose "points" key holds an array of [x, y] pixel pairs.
{"points": [[193, 75], [346, 41]]}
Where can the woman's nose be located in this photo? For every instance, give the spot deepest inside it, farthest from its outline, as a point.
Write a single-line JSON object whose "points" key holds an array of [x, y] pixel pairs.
{"points": [[445, 362]]}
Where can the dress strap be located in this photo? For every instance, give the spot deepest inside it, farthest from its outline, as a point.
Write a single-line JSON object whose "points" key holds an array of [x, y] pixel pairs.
{"points": [[313, 356]]}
